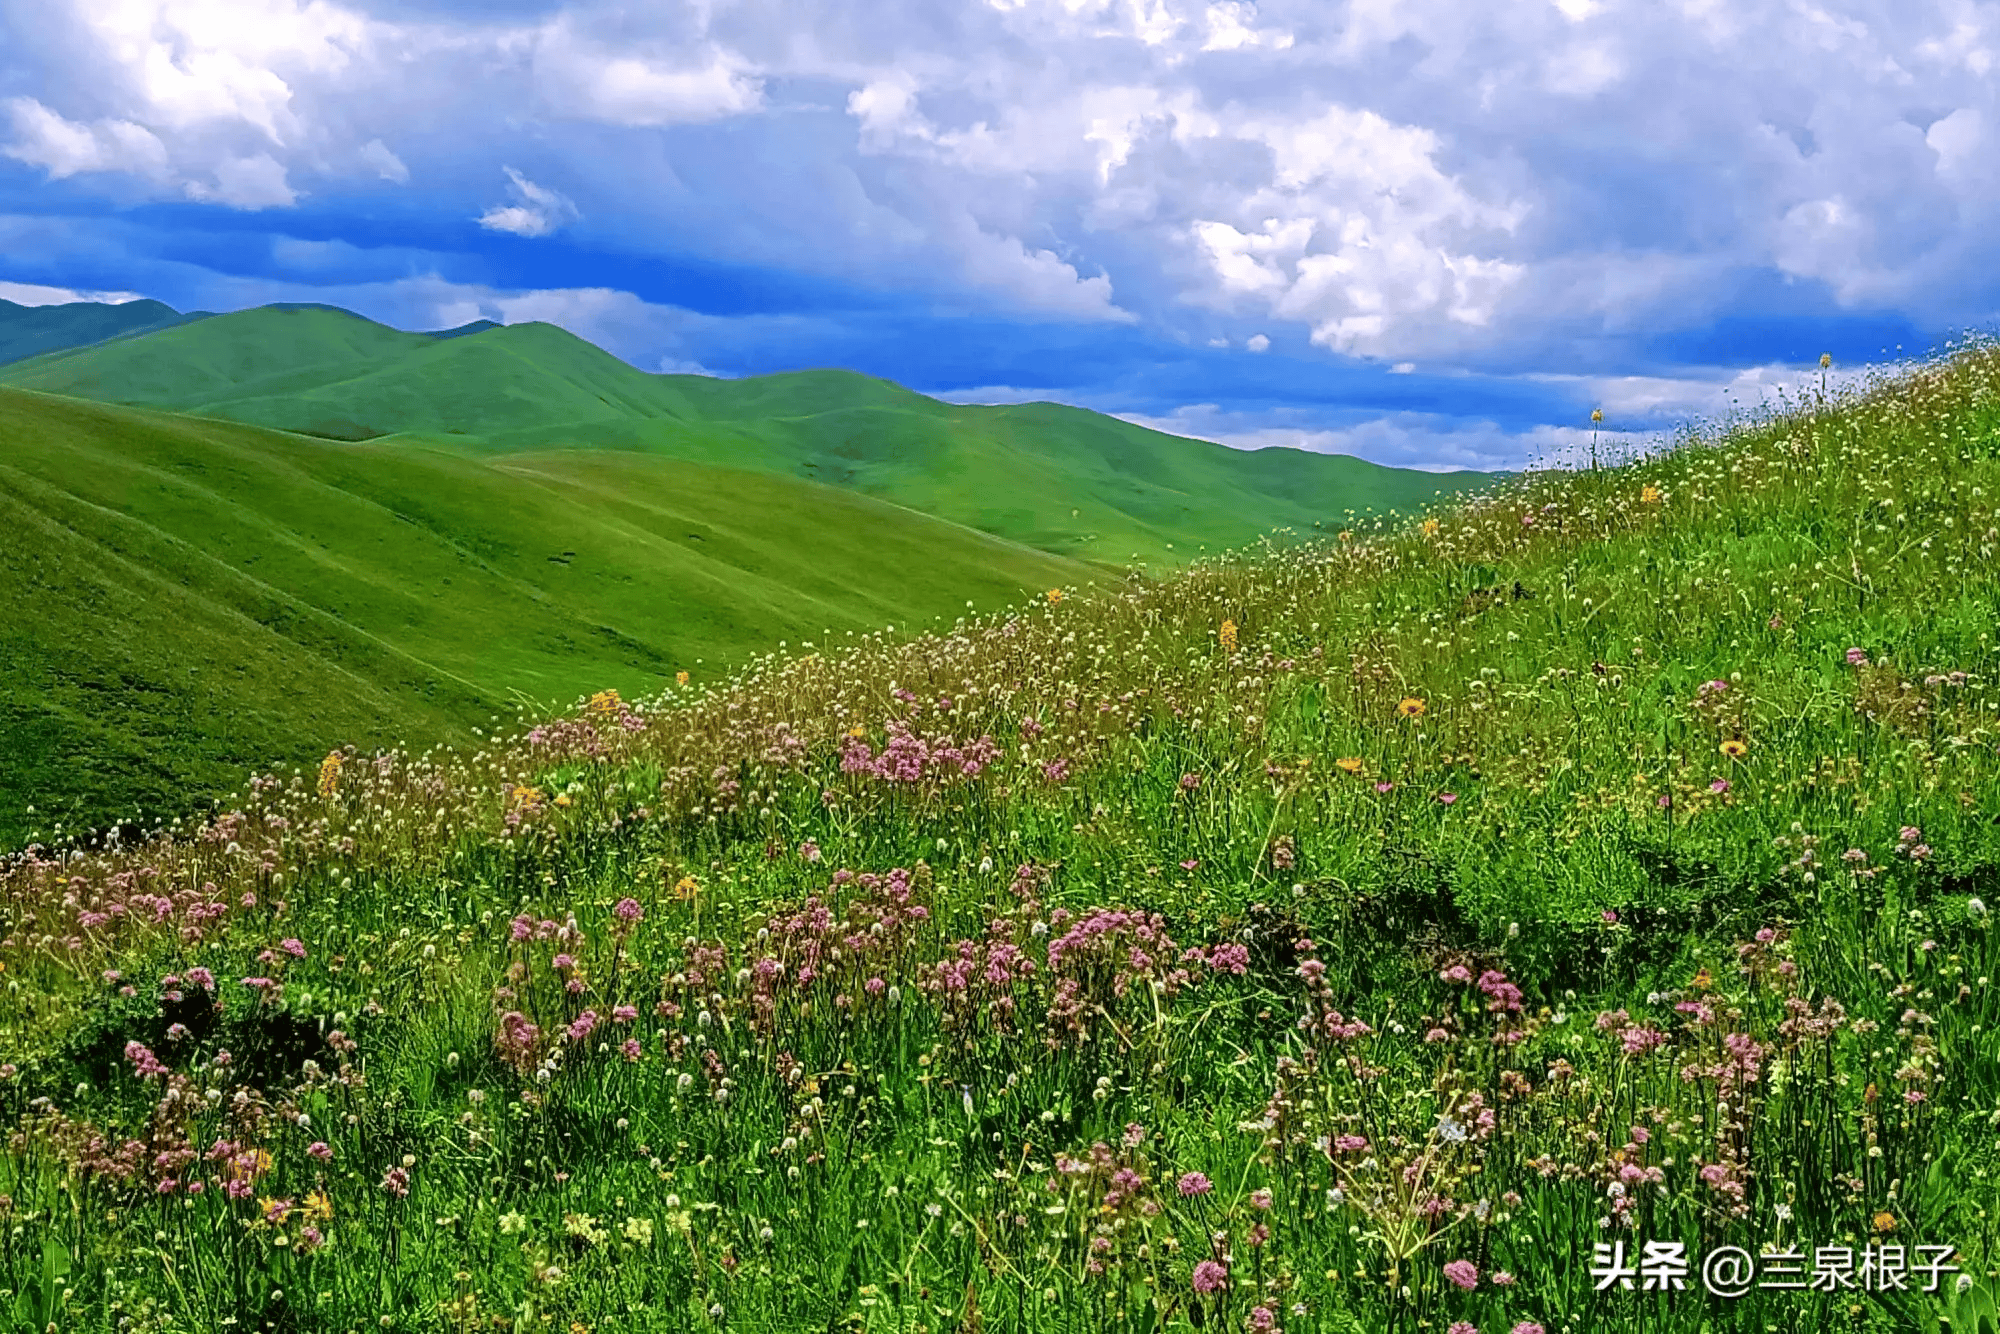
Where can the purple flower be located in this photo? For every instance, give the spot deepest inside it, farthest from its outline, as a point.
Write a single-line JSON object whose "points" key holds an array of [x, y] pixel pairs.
{"points": [[1463, 1273], [1210, 1277], [1447, 797], [1194, 1183], [628, 910], [1857, 657]]}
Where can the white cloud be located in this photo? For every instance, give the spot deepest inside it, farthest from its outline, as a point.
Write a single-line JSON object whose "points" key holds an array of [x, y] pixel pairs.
{"points": [[387, 165], [65, 147], [537, 210], [256, 182], [34, 294], [590, 80], [1257, 343]]}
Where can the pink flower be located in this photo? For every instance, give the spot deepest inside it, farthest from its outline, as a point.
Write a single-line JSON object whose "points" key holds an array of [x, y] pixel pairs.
{"points": [[1463, 1273], [1350, 1144], [1610, 917], [1190, 864], [1261, 1198], [1503, 1279], [1719, 786], [1210, 1277], [1857, 657], [1461, 1327], [1528, 1327], [321, 1150], [1913, 1096], [625, 1014], [628, 910], [397, 1182], [1447, 797], [629, 1049], [1194, 1183]]}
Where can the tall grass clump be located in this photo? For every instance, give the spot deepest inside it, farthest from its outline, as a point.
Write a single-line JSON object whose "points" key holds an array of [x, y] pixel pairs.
{"points": [[1397, 931]]}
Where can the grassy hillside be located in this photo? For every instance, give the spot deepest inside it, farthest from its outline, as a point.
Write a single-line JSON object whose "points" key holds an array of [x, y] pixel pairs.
{"points": [[29, 331], [1061, 479], [1385, 935], [185, 598]]}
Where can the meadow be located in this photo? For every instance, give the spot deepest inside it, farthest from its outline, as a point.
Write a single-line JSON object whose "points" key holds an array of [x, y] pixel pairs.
{"points": [[1382, 931]]}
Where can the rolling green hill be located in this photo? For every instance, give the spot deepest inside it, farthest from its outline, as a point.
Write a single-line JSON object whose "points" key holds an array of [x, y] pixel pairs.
{"points": [[1060, 479], [185, 598]]}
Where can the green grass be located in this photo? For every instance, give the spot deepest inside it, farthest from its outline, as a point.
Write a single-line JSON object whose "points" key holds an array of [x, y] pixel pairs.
{"points": [[1061, 479], [1018, 975], [188, 598]]}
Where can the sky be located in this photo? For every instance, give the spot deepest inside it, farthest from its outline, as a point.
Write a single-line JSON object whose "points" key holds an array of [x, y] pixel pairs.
{"points": [[1432, 233]]}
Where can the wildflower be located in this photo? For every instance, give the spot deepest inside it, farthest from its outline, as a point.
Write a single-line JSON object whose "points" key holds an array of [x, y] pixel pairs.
{"points": [[1447, 798], [809, 850], [1194, 1183], [639, 1231], [511, 1223], [1857, 657], [1055, 596], [1735, 748], [1461, 1327], [680, 678], [686, 888], [1411, 707], [317, 1206], [1190, 781], [1430, 527], [1528, 1327], [329, 774], [1463, 1273], [628, 910], [1348, 764], [1227, 634], [1649, 494], [1719, 786], [321, 1150], [1260, 1198], [397, 1182], [1884, 1221], [1503, 1279], [1210, 1276]]}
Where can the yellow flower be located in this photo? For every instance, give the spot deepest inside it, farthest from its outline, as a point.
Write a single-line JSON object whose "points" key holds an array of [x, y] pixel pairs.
{"points": [[1348, 764], [1885, 1221], [329, 773], [1596, 416], [1735, 748], [686, 888], [273, 1211], [605, 703], [1411, 708], [317, 1206], [1649, 494], [1347, 534], [562, 799], [1430, 527], [857, 731], [1825, 360], [1055, 596], [1227, 634], [680, 678]]}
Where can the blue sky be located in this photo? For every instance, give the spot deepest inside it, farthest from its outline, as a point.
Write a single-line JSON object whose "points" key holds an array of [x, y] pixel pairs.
{"points": [[1430, 233]]}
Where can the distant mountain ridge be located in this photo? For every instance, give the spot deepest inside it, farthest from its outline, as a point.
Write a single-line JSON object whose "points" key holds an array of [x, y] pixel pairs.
{"points": [[1061, 479], [31, 331]]}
